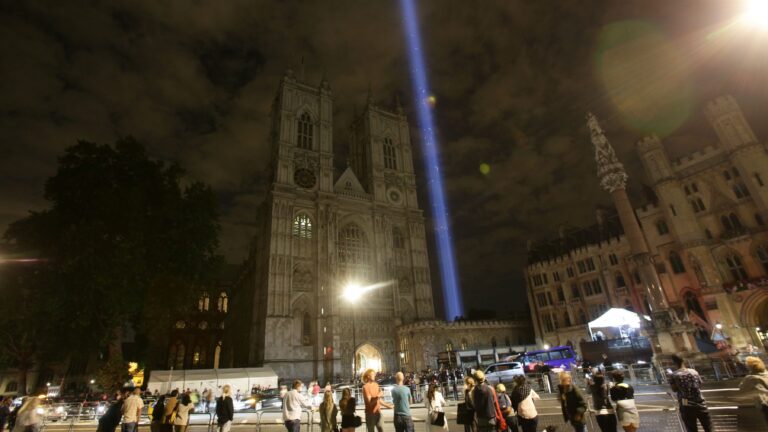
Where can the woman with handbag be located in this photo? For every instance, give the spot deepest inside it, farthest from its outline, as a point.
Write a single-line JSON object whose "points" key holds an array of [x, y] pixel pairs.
{"points": [[349, 421], [604, 413], [328, 412], [465, 412], [435, 404], [522, 401], [623, 395]]}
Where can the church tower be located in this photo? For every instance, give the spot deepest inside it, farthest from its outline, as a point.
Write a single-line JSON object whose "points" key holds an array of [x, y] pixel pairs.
{"points": [[321, 233]]}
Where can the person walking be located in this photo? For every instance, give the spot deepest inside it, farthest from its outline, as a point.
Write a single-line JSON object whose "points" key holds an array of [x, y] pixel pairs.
{"points": [[484, 404], [687, 384], [522, 401], [158, 411], [132, 411], [183, 410], [604, 412], [225, 409], [623, 395], [374, 400], [572, 402], [328, 413], [401, 395], [436, 408], [28, 420], [466, 412], [169, 413], [505, 405], [293, 402], [347, 404], [755, 384]]}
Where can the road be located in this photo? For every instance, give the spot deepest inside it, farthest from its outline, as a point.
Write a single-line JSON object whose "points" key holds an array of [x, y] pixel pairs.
{"points": [[657, 413]]}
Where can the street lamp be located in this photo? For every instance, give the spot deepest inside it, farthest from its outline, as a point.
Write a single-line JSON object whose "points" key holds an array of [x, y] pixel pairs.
{"points": [[756, 14], [352, 293], [93, 381]]}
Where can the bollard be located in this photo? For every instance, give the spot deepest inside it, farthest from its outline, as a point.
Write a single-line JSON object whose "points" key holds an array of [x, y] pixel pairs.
{"points": [[716, 368], [547, 384]]}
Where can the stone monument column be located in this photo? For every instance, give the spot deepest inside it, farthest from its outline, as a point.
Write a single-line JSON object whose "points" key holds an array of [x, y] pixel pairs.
{"points": [[613, 178]]}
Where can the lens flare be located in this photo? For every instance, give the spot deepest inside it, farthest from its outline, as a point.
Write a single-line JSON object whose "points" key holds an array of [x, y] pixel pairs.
{"points": [[756, 14], [453, 302]]}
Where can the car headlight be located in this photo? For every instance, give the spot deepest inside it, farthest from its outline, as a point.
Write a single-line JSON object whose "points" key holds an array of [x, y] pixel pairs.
{"points": [[100, 409]]}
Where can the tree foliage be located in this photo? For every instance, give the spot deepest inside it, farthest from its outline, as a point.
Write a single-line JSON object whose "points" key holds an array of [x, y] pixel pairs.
{"points": [[125, 241]]}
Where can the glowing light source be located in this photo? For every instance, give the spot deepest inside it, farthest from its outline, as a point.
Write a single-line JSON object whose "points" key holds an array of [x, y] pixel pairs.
{"points": [[546, 346], [719, 326], [485, 169], [447, 261], [756, 14]]}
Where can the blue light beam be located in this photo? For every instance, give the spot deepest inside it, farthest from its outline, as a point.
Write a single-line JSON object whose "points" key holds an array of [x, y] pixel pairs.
{"points": [[453, 302]]}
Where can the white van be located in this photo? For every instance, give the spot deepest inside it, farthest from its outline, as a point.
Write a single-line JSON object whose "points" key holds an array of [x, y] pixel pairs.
{"points": [[503, 372]]}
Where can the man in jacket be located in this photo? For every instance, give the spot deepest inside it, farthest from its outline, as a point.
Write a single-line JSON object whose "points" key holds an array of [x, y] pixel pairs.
{"points": [[225, 409], [484, 403]]}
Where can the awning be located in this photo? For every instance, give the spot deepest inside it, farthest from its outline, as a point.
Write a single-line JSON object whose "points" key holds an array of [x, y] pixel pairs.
{"points": [[616, 317], [242, 379]]}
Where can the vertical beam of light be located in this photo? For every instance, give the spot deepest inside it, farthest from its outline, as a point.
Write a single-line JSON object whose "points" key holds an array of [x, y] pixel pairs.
{"points": [[446, 259]]}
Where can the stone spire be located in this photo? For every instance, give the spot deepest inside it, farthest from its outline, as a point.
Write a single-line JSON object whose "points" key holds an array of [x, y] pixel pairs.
{"points": [[609, 170]]}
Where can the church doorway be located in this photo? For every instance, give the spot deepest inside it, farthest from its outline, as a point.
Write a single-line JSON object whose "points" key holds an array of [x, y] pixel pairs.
{"points": [[368, 357], [755, 315]]}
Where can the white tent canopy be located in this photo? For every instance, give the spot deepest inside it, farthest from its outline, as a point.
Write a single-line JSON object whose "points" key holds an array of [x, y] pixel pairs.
{"points": [[242, 379], [616, 317]]}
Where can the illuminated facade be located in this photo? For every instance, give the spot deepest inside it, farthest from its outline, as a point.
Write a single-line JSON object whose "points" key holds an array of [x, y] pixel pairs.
{"points": [[707, 238], [319, 230]]}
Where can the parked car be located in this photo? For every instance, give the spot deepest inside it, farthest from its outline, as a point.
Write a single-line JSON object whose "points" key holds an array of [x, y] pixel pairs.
{"points": [[503, 372]]}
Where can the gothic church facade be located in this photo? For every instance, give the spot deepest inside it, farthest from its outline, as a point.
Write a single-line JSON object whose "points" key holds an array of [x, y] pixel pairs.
{"points": [[320, 232]]}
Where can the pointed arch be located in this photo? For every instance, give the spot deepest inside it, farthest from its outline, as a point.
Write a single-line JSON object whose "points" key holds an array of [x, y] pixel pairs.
{"points": [[390, 154], [305, 131], [354, 252]]}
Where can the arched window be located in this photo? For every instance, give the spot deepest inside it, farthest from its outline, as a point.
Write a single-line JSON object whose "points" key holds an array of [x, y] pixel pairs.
{"points": [[449, 346], [566, 320], [661, 227], [493, 342], [736, 267], [762, 256], [12, 386], [196, 356], [202, 325], [676, 262], [217, 355], [180, 324], [223, 304], [735, 221], [306, 329], [398, 241], [692, 305], [302, 227], [304, 132], [620, 283], [464, 343], [354, 252], [204, 303], [176, 356], [390, 155], [582, 317]]}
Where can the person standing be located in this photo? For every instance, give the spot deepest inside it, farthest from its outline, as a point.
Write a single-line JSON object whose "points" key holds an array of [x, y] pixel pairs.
{"points": [[170, 411], [132, 411], [373, 398], [401, 394], [5, 411], [436, 408], [505, 405], [347, 404], [604, 413], [328, 413], [687, 383], [468, 414], [158, 411], [293, 402], [28, 420], [755, 384], [184, 409], [109, 421], [484, 403], [522, 400], [225, 409], [623, 395], [572, 402]]}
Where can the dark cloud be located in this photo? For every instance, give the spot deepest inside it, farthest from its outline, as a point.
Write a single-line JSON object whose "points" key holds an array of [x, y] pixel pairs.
{"points": [[513, 80]]}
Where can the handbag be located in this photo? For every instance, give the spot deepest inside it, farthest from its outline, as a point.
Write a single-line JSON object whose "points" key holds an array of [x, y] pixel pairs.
{"points": [[438, 418], [464, 415], [357, 422]]}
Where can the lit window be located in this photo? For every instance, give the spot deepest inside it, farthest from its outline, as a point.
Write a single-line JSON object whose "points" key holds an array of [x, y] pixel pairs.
{"points": [[223, 304], [180, 324], [304, 133], [204, 303], [390, 155], [302, 227]]}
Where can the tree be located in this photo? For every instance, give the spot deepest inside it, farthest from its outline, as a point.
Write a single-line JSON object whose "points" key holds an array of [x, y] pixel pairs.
{"points": [[123, 241]]}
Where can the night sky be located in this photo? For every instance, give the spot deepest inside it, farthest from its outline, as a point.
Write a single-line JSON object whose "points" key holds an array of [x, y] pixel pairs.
{"points": [[513, 80]]}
